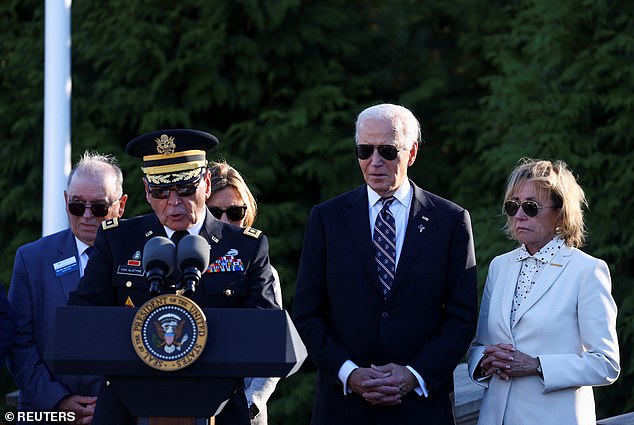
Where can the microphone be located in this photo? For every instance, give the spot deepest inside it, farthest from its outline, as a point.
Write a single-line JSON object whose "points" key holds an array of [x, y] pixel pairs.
{"points": [[158, 262], [192, 258]]}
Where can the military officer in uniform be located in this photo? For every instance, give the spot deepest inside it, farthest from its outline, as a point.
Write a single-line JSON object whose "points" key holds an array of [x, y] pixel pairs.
{"points": [[177, 183]]}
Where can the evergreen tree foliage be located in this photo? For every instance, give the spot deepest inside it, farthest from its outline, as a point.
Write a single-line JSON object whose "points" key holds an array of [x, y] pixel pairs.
{"points": [[21, 123], [281, 82]]}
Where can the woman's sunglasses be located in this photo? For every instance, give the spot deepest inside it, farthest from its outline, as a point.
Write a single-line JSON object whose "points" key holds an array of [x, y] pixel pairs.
{"points": [[530, 208], [182, 190], [77, 208], [389, 152], [234, 213]]}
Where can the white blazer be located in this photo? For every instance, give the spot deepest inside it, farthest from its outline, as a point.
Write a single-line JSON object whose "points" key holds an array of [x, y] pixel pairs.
{"points": [[568, 320]]}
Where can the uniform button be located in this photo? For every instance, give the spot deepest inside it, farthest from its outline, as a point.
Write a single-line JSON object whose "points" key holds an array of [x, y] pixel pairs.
{"points": [[385, 315], [128, 284], [228, 292]]}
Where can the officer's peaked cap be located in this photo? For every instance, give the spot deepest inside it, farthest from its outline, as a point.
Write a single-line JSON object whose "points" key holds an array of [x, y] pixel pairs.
{"points": [[172, 156]]}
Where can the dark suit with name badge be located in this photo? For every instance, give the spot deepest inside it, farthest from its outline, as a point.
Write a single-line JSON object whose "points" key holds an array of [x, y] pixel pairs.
{"points": [[44, 274]]}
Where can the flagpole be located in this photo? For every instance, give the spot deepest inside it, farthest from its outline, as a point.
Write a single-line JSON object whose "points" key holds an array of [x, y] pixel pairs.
{"points": [[57, 92]]}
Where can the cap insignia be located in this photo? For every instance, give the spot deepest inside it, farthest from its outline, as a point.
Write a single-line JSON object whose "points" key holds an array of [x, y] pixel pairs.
{"points": [[165, 144]]}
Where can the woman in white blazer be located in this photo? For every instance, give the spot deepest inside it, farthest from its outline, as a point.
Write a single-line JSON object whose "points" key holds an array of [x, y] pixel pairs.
{"points": [[547, 325]]}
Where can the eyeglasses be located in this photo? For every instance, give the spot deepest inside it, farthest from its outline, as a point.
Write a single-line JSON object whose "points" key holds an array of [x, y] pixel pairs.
{"points": [[182, 190], [77, 208], [389, 152], [234, 213], [530, 208]]}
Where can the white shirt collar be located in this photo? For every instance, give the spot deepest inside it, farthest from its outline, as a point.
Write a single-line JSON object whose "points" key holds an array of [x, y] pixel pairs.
{"points": [[403, 194], [546, 253], [81, 246], [195, 230]]}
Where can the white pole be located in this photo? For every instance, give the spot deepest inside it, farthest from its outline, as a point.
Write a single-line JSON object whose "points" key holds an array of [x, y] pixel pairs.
{"points": [[57, 89]]}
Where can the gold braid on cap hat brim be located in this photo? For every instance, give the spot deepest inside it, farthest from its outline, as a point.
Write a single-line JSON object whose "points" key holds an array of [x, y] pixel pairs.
{"points": [[173, 168], [172, 177]]}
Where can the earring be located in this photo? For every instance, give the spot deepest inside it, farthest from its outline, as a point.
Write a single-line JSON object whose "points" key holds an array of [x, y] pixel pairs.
{"points": [[557, 230]]}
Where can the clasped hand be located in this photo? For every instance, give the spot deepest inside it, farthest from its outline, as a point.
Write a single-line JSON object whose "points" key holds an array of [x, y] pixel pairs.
{"points": [[382, 385], [83, 406], [507, 362]]}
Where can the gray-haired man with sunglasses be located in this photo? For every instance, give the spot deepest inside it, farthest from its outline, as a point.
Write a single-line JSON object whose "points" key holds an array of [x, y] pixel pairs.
{"points": [[386, 290], [45, 272]]}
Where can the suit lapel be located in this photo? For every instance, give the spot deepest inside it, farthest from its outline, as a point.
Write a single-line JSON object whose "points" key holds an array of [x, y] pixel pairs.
{"points": [[212, 231], [545, 280], [358, 219], [508, 291], [155, 228], [422, 217], [66, 249]]}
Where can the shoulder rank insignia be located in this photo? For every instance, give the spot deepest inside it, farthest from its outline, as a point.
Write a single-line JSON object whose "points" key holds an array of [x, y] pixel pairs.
{"points": [[110, 223], [254, 233]]}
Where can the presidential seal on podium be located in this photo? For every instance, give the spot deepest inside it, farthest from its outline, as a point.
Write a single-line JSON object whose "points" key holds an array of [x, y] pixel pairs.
{"points": [[169, 332]]}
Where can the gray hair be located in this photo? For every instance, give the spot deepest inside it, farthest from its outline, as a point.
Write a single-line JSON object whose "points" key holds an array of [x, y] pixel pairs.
{"points": [[93, 163], [407, 126]]}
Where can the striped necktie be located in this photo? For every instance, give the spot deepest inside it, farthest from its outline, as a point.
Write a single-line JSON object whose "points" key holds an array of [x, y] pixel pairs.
{"points": [[384, 239]]}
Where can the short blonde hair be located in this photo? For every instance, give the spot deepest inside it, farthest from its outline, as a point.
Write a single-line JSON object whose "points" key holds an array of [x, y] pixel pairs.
{"points": [[556, 179], [223, 176]]}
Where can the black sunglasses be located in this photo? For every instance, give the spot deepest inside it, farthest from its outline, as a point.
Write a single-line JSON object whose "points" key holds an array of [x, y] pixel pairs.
{"points": [[182, 190], [389, 152], [77, 208], [530, 208], [234, 213]]}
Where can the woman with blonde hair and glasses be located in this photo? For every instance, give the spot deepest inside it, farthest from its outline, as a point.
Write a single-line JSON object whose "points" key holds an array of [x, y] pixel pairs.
{"points": [[231, 201], [547, 327]]}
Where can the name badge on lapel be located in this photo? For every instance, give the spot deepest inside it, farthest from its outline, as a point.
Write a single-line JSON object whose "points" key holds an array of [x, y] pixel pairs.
{"points": [[65, 266]]}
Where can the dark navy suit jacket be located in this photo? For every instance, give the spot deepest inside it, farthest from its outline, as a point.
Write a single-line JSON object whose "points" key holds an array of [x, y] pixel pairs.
{"points": [[35, 293], [109, 280], [426, 322]]}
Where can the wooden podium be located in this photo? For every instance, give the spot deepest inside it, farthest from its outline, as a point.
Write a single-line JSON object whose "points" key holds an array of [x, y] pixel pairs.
{"points": [[241, 342]]}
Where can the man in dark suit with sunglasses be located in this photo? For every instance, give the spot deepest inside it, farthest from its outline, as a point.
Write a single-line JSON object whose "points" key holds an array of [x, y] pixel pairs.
{"points": [[44, 274], [177, 184], [386, 290]]}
